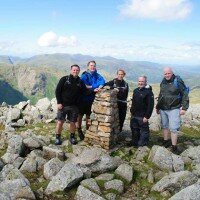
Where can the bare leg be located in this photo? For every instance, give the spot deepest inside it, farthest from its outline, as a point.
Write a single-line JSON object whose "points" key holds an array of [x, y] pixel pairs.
{"points": [[59, 126], [72, 127], [166, 134], [79, 121], [174, 137], [87, 122]]}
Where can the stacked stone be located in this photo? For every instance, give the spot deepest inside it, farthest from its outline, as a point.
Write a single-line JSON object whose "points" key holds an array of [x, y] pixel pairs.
{"points": [[104, 120]]}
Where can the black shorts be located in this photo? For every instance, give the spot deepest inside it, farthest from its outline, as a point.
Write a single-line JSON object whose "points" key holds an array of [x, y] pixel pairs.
{"points": [[70, 111], [85, 108]]}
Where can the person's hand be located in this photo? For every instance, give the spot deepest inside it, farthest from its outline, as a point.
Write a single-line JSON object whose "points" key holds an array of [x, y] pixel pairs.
{"points": [[97, 89], [157, 111], [145, 120], [182, 112], [59, 106]]}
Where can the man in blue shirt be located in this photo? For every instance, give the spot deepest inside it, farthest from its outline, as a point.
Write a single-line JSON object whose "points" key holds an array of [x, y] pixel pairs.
{"points": [[93, 82]]}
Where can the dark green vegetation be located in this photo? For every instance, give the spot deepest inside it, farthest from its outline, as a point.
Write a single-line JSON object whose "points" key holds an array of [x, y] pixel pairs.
{"points": [[36, 77]]}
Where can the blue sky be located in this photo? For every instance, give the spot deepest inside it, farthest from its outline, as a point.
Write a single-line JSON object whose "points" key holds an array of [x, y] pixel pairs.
{"points": [[164, 31]]}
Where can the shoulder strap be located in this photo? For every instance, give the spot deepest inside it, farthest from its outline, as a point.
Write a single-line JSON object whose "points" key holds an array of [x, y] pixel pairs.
{"points": [[176, 82], [114, 81], [67, 80]]}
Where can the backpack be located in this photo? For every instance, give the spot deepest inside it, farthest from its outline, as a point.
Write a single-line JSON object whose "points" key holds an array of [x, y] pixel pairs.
{"points": [[176, 84]]}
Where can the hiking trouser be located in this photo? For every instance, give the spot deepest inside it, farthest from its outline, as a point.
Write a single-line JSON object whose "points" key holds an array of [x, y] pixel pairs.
{"points": [[122, 113], [140, 131]]}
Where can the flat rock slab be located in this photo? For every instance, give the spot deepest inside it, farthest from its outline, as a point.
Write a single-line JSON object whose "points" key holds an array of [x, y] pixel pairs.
{"points": [[189, 193], [16, 189], [84, 193], [175, 182], [9, 172], [125, 171], [53, 151], [165, 160], [105, 177], [92, 185], [52, 167], [68, 176], [88, 156], [116, 185], [191, 155]]}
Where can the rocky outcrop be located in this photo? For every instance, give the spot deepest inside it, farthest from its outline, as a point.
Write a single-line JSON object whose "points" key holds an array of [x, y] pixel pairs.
{"points": [[189, 193], [174, 182], [165, 160]]}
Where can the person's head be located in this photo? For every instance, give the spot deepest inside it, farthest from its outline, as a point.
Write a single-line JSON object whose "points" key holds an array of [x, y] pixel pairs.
{"points": [[142, 81], [75, 69], [168, 73], [120, 74], [91, 66]]}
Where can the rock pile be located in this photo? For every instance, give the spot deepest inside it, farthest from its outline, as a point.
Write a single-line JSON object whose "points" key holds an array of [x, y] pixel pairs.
{"points": [[104, 120]]}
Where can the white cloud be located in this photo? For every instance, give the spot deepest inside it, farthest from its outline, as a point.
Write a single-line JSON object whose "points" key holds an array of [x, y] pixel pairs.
{"points": [[51, 39], [161, 10], [4, 45]]}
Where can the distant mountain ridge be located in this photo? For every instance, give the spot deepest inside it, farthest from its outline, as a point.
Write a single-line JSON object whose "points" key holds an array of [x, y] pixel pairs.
{"points": [[37, 76]]}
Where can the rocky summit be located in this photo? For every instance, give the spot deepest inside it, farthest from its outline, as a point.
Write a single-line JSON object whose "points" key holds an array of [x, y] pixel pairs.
{"points": [[32, 167]]}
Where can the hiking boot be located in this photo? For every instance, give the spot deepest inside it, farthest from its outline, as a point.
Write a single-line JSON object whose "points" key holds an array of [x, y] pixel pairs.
{"points": [[175, 149], [58, 140], [166, 143], [72, 139], [80, 134]]}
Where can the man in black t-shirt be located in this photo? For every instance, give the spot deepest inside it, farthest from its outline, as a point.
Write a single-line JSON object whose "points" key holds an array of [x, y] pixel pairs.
{"points": [[68, 93]]}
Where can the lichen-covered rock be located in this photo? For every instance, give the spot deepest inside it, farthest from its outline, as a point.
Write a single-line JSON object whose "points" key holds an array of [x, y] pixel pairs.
{"points": [[191, 155], [161, 157], [84, 193], [116, 185], [191, 192], [53, 151], [165, 160], [105, 164], [29, 165], [141, 153], [9, 158], [32, 143], [105, 177], [15, 145], [88, 156], [13, 114], [18, 162], [9, 172], [92, 185], [177, 162], [111, 196], [174, 182], [52, 167], [16, 189], [68, 176], [43, 104], [4, 196], [125, 171], [87, 173]]}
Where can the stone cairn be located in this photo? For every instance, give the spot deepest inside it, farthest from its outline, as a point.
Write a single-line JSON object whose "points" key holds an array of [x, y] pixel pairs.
{"points": [[104, 120]]}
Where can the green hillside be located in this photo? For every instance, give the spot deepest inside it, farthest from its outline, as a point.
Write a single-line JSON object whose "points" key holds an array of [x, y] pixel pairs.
{"points": [[37, 77], [10, 95]]}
